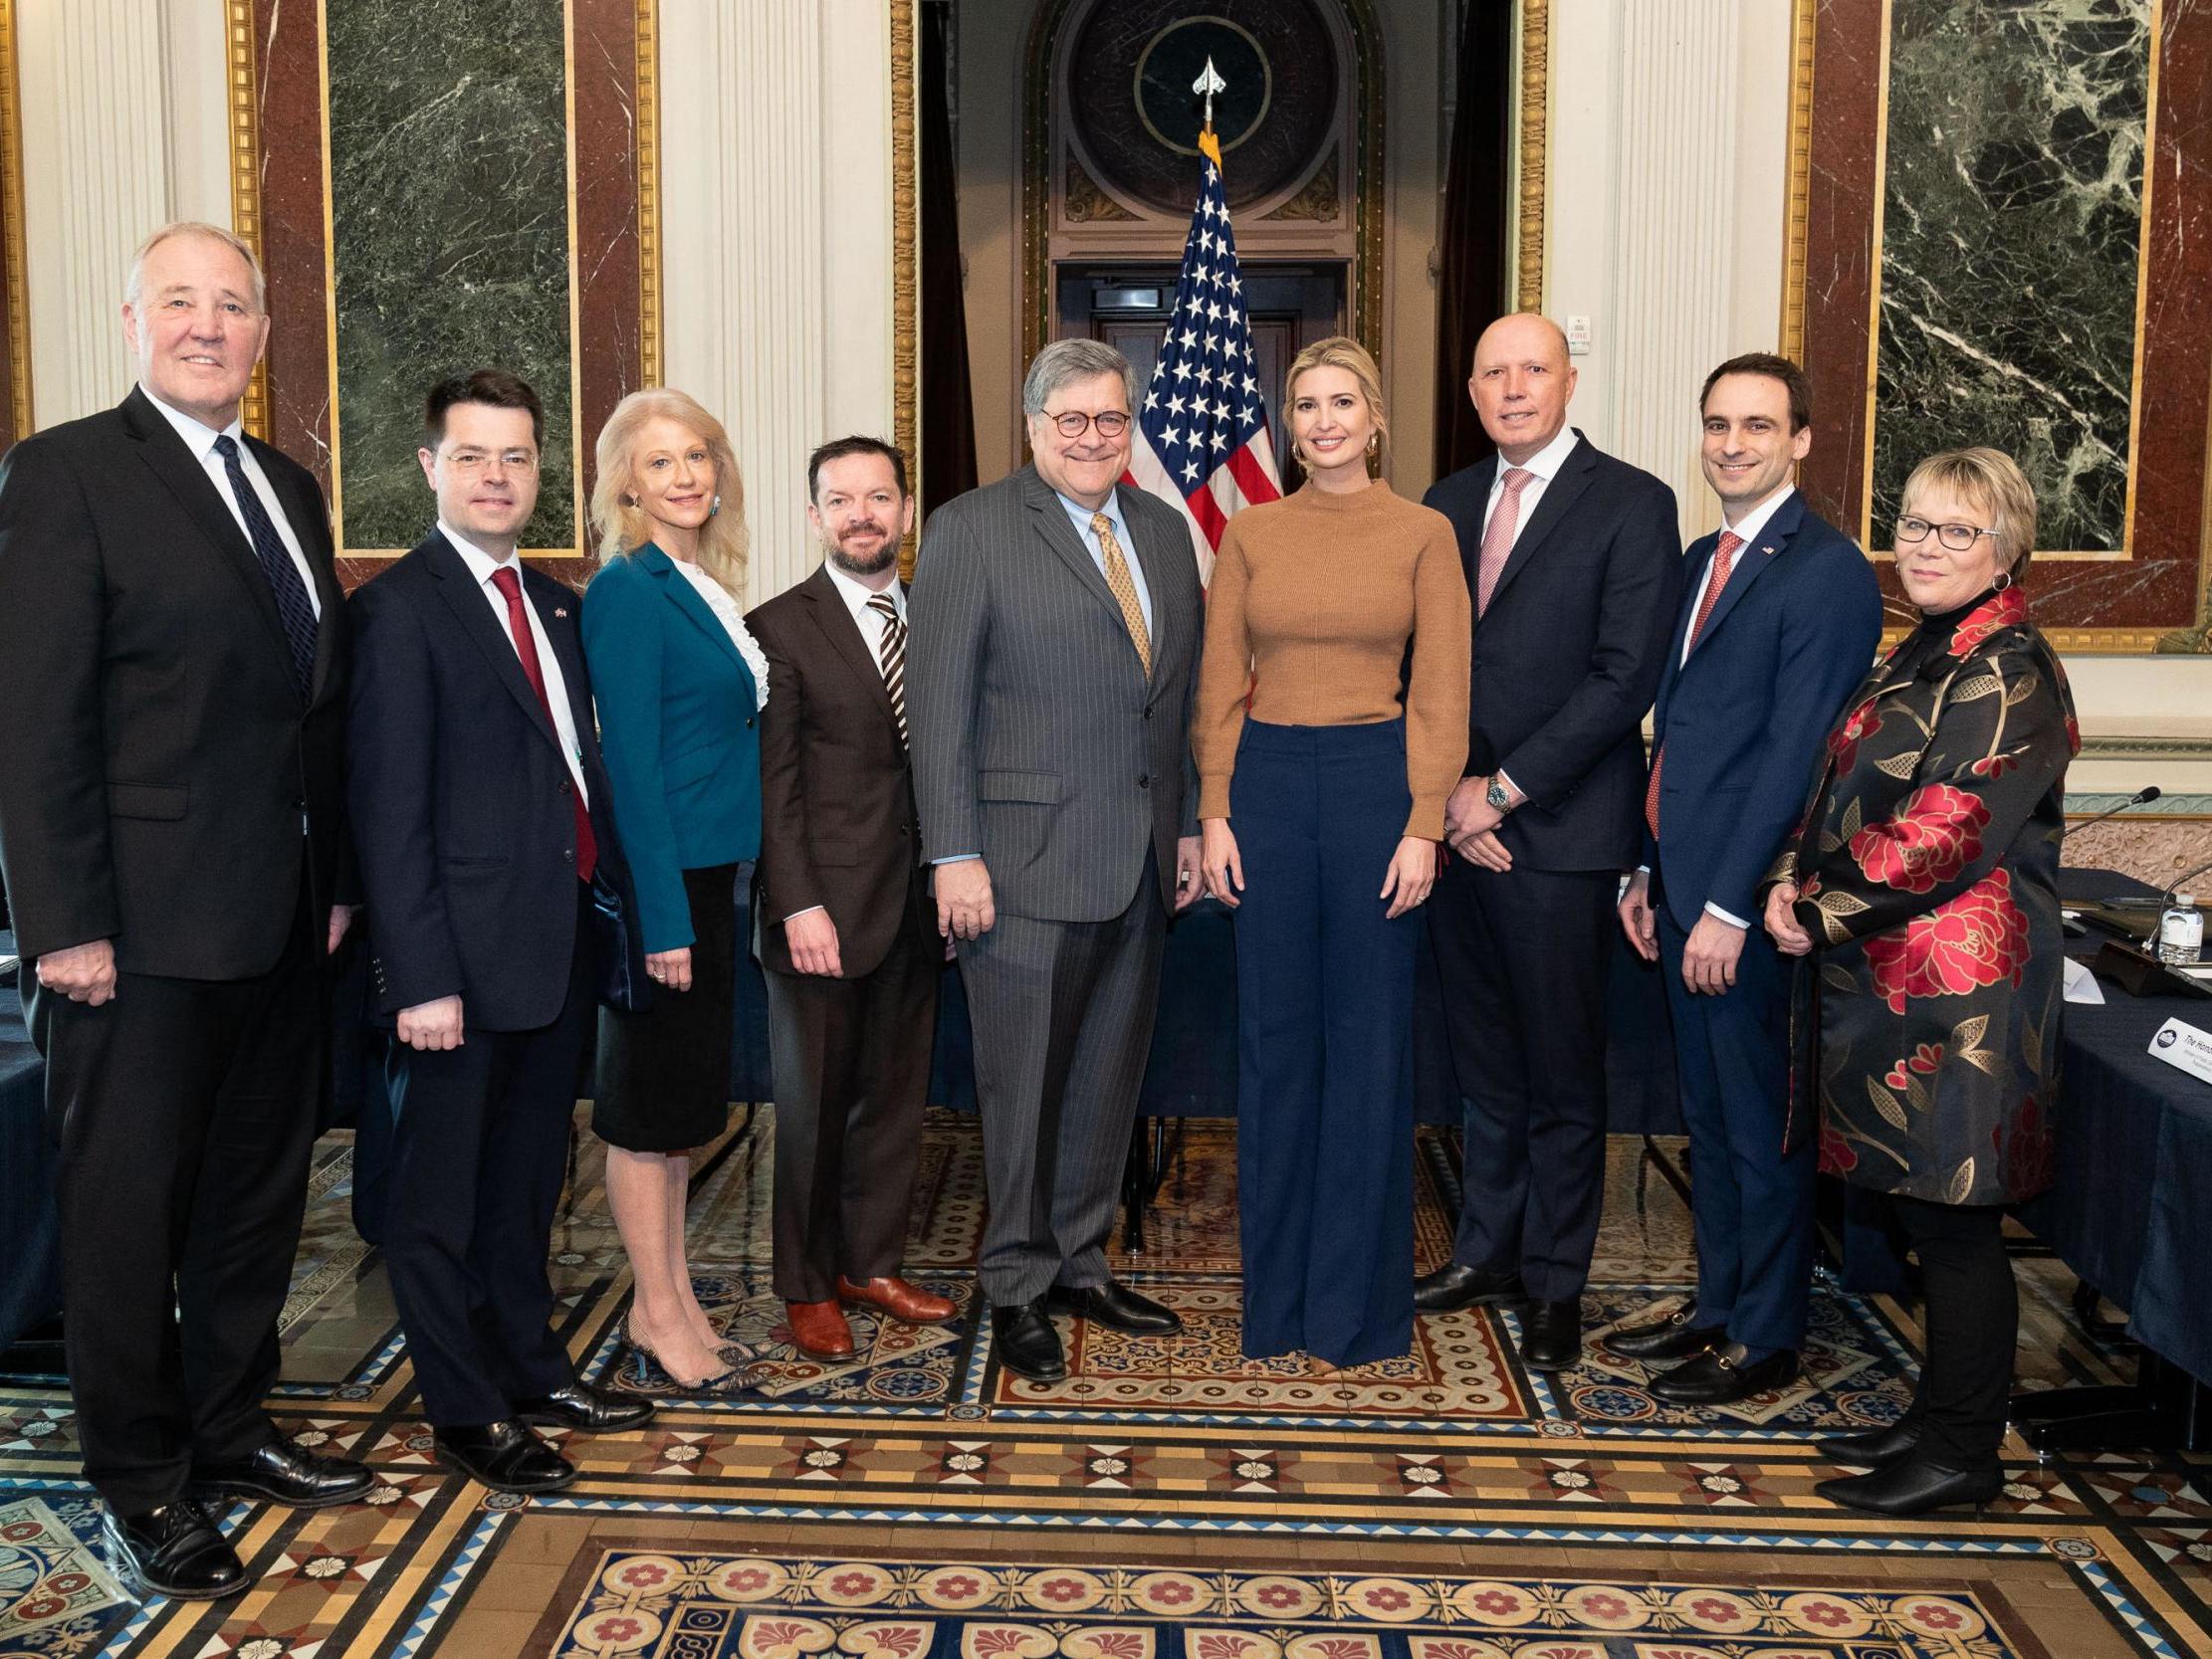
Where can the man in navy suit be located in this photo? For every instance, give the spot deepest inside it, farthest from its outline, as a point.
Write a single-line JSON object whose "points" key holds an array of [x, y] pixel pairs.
{"points": [[1779, 621], [1575, 563], [480, 806]]}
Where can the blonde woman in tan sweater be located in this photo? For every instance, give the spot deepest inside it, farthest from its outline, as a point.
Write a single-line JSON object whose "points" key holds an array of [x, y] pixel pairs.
{"points": [[1321, 799]]}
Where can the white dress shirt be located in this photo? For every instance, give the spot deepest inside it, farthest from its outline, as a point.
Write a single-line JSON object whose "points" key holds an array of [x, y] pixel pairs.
{"points": [[481, 565], [200, 440], [1545, 464], [732, 623], [871, 625]]}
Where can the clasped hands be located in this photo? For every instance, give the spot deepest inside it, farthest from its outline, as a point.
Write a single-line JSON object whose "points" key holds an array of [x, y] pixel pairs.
{"points": [[1471, 826], [1412, 873]]}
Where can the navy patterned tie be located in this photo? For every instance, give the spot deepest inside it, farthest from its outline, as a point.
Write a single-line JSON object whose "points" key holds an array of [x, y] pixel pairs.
{"points": [[293, 607]]}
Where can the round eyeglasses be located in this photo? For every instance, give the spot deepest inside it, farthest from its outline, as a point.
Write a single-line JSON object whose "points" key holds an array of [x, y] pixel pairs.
{"points": [[1073, 423]]}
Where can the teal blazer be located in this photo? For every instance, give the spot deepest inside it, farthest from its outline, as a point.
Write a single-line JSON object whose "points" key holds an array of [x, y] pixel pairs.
{"points": [[679, 730]]}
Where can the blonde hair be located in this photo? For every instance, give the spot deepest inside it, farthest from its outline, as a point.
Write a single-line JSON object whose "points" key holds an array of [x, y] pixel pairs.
{"points": [[622, 524], [1992, 482], [134, 279], [1342, 352]]}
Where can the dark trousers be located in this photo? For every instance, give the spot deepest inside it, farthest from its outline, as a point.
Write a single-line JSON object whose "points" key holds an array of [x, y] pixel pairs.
{"points": [[1971, 1309], [1062, 1014], [1753, 1216], [1324, 999], [1522, 959], [184, 1110], [852, 1075], [479, 1148]]}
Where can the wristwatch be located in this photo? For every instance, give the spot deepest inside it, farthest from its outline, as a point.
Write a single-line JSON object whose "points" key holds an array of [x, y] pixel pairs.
{"points": [[1497, 798]]}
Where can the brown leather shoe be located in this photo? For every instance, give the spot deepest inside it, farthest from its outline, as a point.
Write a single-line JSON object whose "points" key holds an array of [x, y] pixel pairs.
{"points": [[819, 1331], [902, 1300]]}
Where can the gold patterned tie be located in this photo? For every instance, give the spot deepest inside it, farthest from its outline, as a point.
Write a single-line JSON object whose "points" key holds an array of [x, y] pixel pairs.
{"points": [[1124, 588]]}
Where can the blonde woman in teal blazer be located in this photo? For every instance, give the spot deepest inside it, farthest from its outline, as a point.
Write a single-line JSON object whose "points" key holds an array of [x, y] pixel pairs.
{"points": [[680, 684]]}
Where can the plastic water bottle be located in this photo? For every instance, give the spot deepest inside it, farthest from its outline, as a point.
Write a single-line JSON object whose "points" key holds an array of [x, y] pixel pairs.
{"points": [[2181, 931]]}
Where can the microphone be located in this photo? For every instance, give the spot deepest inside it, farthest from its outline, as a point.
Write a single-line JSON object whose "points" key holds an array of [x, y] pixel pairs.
{"points": [[2141, 797], [2185, 879]]}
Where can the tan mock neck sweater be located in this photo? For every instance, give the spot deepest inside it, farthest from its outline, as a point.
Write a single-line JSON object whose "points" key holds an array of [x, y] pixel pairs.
{"points": [[1313, 599]]}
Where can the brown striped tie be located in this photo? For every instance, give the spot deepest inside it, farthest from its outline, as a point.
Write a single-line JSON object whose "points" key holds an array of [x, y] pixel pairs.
{"points": [[891, 655]]}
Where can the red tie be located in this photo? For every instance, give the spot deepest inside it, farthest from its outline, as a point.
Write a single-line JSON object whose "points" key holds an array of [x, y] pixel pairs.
{"points": [[526, 647], [1725, 557]]}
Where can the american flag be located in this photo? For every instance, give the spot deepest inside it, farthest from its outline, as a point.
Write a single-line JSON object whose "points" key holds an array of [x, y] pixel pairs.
{"points": [[1203, 442]]}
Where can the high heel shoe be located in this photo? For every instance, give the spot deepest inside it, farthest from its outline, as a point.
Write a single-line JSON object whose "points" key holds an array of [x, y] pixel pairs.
{"points": [[641, 1371]]}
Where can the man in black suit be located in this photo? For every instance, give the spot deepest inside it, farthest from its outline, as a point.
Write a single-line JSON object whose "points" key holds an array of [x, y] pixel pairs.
{"points": [[171, 827], [1575, 560], [481, 808], [847, 928]]}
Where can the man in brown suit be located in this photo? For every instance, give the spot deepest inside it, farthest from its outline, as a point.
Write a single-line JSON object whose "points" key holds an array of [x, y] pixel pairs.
{"points": [[848, 926]]}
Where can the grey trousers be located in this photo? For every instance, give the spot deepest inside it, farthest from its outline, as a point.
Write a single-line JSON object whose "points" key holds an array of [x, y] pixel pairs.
{"points": [[1062, 1015]]}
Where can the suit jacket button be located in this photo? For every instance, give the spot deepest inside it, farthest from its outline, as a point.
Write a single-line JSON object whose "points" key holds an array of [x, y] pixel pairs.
{"points": [[567, 855], [749, 721], [567, 786], [1144, 780]]}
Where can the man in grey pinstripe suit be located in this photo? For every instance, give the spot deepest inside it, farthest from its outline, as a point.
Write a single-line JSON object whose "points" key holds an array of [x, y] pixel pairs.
{"points": [[1055, 621]]}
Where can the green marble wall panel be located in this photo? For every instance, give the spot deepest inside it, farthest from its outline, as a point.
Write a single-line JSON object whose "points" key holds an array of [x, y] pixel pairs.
{"points": [[2012, 222], [449, 212]]}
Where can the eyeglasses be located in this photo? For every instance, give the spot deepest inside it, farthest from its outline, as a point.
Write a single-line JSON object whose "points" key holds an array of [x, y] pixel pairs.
{"points": [[473, 461], [1958, 538], [1074, 423]]}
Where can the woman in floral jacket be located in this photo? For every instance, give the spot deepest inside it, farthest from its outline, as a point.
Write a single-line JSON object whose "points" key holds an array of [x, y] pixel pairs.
{"points": [[1922, 887]]}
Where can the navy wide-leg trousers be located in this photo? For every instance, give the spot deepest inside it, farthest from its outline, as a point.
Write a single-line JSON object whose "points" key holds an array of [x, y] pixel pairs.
{"points": [[1325, 986]]}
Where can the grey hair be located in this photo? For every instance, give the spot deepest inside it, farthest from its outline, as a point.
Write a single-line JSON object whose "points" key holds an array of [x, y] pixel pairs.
{"points": [[134, 284], [1074, 360]]}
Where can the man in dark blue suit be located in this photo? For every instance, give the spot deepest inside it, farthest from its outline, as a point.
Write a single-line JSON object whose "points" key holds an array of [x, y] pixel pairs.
{"points": [[480, 801], [1780, 619], [1575, 563]]}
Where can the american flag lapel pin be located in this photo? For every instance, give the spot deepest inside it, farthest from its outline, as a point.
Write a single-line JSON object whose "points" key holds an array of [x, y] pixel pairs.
{"points": [[563, 610], [1769, 551]]}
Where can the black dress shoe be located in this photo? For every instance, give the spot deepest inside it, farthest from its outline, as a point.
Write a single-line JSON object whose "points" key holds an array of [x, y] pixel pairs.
{"points": [[1115, 1306], [284, 1472], [1551, 1335], [1452, 1286], [1718, 1376], [1875, 1448], [580, 1407], [175, 1550], [1913, 1486], [1026, 1342], [1673, 1338], [504, 1456]]}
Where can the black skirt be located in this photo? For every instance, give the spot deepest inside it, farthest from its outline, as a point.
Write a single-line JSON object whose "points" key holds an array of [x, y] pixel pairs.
{"points": [[664, 1075]]}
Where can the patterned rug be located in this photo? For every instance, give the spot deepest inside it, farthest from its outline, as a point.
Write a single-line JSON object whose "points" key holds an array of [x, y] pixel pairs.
{"points": [[1445, 1504]]}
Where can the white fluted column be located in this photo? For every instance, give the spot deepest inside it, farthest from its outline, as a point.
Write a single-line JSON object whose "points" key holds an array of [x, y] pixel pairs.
{"points": [[775, 177], [123, 129]]}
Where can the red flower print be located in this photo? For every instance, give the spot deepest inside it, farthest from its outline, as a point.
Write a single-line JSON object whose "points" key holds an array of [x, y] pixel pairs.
{"points": [[1934, 1616], [850, 1584], [1838, 1158], [750, 1579], [1826, 1614], [1061, 1590], [616, 1631], [1896, 1076], [1706, 1608], [1936, 833], [1225, 1647], [958, 1587], [2073, 735], [1994, 765], [999, 1640], [1497, 1603], [1927, 1057], [2002, 611], [1978, 939], [1172, 1592], [643, 1574], [1384, 1599], [2026, 1151], [1119, 1644], [1857, 727], [1606, 1606], [1278, 1595]]}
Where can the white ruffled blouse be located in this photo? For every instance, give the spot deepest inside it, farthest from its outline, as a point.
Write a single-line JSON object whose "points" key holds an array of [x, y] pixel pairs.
{"points": [[732, 621]]}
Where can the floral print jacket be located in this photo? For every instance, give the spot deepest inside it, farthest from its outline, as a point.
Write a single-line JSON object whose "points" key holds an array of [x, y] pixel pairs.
{"points": [[1925, 1021]]}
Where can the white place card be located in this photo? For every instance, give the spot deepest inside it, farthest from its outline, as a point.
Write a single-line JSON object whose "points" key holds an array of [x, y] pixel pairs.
{"points": [[2182, 1044]]}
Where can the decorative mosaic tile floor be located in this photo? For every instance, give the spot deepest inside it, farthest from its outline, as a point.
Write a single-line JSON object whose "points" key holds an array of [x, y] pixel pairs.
{"points": [[1520, 1517]]}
